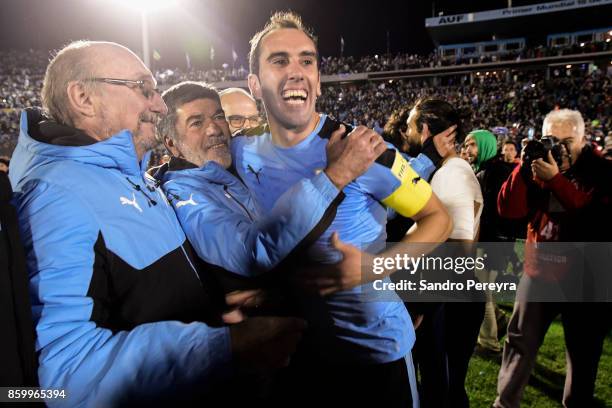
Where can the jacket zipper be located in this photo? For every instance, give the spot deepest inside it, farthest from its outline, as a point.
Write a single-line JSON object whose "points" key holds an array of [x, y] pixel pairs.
{"points": [[231, 197], [165, 209], [191, 264]]}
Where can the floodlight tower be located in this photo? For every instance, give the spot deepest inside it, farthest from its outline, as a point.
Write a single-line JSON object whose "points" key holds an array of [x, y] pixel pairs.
{"points": [[145, 7], [146, 52]]}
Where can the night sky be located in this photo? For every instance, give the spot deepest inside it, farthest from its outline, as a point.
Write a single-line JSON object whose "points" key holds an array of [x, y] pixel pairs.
{"points": [[193, 25]]}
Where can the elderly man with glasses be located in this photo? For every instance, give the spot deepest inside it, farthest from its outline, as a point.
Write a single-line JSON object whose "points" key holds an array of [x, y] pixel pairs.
{"points": [[240, 110], [123, 311]]}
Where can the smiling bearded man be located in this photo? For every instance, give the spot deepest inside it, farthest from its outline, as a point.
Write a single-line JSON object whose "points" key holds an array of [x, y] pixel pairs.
{"points": [[353, 341], [217, 211]]}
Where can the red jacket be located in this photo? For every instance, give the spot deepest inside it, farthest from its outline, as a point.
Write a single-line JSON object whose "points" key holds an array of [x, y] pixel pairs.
{"points": [[571, 207]]}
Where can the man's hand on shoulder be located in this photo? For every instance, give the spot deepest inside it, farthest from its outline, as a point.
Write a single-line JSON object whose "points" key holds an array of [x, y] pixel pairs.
{"points": [[351, 156]]}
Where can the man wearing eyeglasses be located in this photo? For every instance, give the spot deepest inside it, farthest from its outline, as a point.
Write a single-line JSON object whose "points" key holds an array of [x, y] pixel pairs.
{"points": [[117, 300], [240, 109], [570, 202], [218, 213]]}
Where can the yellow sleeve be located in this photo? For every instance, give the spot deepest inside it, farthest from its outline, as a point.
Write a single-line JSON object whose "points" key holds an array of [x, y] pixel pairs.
{"points": [[412, 194]]}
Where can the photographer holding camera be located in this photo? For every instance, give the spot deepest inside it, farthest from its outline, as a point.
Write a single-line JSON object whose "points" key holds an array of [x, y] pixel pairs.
{"points": [[563, 187]]}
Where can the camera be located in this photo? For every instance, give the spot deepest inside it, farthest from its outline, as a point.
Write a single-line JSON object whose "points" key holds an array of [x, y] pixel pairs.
{"points": [[538, 149]]}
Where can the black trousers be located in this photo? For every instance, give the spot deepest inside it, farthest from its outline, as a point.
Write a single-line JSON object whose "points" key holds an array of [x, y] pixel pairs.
{"points": [[585, 325], [444, 346], [463, 320], [308, 382], [429, 355]]}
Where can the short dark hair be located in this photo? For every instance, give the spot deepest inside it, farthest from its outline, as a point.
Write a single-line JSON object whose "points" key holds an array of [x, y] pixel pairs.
{"points": [[278, 20], [508, 141], [177, 96], [439, 115]]}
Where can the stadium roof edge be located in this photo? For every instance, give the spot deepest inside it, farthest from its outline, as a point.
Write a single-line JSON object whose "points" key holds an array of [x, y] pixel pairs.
{"points": [[522, 11], [534, 63]]}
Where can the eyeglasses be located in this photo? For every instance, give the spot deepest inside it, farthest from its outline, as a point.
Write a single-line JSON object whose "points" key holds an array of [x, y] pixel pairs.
{"points": [[146, 87], [238, 121]]}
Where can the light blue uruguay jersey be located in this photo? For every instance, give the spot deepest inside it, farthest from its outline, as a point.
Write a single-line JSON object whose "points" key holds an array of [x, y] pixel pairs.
{"points": [[348, 326]]}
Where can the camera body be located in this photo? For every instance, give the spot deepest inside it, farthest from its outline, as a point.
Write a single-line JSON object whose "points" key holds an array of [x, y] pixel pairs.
{"points": [[538, 149]]}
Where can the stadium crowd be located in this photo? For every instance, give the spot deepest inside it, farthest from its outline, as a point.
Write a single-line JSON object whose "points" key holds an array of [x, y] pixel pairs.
{"points": [[21, 76], [333, 65], [517, 104], [223, 299], [176, 75], [375, 63], [513, 101]]}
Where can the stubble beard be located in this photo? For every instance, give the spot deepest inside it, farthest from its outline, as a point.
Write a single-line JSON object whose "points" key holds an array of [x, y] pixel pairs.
{"points": [[141, 142]]}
